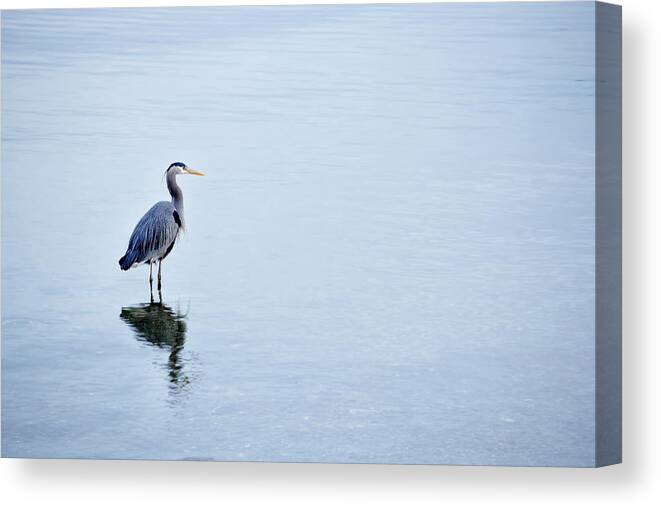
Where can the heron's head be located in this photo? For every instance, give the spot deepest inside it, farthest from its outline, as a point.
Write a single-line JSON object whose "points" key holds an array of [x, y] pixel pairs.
{"points": [[181, 168]]}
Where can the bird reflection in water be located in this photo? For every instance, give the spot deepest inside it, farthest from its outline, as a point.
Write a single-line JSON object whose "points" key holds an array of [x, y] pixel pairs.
{"points": [[159, 325]]}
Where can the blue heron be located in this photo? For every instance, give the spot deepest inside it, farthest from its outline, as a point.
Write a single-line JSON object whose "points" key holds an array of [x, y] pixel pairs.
{"points": [[154, 236]]}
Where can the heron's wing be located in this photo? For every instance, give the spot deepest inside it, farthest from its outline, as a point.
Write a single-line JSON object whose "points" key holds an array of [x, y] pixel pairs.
{"points": [[155, 233]]}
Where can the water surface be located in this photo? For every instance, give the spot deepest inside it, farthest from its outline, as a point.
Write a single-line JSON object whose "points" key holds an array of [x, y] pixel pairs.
{"points": [[391, 258]]}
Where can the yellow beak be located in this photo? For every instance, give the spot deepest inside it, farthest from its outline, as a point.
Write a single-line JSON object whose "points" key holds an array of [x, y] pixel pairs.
{"points": [[193, 171]]}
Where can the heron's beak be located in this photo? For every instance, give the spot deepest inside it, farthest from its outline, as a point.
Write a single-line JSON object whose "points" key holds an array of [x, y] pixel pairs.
{"points": [[193, 171]]}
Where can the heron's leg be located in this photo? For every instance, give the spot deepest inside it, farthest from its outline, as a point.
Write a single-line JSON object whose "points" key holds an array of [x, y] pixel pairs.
{"points": [[151, 279], [160, 296]]}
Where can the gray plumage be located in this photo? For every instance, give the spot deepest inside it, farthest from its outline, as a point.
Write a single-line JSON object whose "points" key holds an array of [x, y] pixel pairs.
{"points": [[157, 231], [153, 237]]}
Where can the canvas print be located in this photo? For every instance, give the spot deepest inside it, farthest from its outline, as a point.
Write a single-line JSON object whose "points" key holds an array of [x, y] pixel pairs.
{"points": [[338, 233]]}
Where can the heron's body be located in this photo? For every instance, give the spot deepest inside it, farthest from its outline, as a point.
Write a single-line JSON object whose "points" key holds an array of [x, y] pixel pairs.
{"points": [[154, 236], [156, 233]]}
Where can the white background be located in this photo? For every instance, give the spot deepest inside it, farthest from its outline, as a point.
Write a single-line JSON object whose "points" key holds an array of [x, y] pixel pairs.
{"points": [[636, 482]]}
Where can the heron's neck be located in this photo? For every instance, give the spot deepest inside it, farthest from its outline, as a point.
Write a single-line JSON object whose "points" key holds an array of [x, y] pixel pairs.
{"points": [[176, 193]]}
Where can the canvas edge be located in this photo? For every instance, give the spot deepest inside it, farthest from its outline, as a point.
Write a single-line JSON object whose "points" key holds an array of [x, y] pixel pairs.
{"points": [[608, 234]]}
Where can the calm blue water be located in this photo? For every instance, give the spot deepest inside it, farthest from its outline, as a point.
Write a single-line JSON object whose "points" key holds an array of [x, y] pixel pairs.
{"points": [[391, 258]]}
